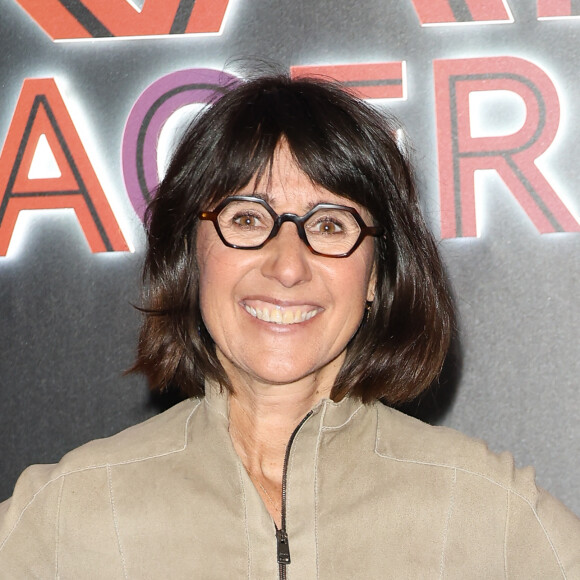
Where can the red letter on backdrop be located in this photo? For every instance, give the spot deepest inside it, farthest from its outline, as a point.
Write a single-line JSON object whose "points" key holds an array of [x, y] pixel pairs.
{"points": [[432, 12], [512, 156], [41, 111], [378, 80], [111, 18], [557, 9]]}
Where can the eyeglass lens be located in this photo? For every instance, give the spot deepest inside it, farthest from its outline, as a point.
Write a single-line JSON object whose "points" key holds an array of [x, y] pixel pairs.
{"points": [[247, 224]]}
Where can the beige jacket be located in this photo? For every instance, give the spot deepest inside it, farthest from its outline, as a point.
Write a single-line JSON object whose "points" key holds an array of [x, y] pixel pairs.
{"points": [[371, 493]]}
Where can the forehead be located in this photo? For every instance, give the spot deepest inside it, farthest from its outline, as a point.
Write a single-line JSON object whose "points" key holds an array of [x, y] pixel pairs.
{"points": [[286, 188]]}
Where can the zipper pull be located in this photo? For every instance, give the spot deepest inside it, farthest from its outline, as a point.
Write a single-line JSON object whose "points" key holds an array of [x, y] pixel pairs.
{"points": [[283, 547]]}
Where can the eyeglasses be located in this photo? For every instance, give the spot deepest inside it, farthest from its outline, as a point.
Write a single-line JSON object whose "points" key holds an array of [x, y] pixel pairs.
{"points": [[248, 223]]}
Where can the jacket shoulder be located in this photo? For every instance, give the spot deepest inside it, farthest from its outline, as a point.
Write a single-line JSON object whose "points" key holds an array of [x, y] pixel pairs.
{"points": [[406, 439], [160, 435], [539, 533], [38, 491]]}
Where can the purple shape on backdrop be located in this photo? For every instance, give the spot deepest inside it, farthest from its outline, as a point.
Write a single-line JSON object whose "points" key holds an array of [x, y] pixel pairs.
{"points": [[147, 117]]}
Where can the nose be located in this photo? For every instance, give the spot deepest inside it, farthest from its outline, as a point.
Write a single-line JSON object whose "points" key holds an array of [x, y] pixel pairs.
{"points": [[286, 257]]}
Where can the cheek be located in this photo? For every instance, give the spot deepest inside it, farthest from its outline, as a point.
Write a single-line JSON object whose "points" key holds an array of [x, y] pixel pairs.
{"points": [[365, 272], [214, 297], [205, 244], [215, 283], [221, 269], [351, 286], [211, 274], [213, 259]]}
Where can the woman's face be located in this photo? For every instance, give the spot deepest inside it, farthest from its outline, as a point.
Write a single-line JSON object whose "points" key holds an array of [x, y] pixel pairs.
{"points": [[241, 289]]}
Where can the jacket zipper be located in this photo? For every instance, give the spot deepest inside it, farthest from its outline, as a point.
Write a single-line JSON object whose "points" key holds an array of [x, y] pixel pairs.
{"points": [[281, 535]]}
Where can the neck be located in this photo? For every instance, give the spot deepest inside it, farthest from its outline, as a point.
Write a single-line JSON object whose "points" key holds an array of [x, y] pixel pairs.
{"points": [[262, 418], [261, 424]]}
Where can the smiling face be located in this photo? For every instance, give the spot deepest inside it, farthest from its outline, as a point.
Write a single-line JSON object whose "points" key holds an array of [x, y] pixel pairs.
{"points": [[281, 314]]}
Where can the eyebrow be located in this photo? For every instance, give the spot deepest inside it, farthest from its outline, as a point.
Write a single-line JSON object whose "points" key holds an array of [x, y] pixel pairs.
{"points": [[263, 196], [268, 199]]}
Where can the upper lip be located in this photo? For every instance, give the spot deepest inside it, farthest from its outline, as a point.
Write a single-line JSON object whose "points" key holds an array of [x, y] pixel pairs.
{"points": [[281, 303]]}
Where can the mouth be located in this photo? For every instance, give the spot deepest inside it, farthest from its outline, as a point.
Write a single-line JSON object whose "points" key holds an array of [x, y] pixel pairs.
{"points": [[279, 314]]}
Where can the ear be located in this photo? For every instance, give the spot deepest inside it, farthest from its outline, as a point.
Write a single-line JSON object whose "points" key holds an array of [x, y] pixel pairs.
{"points": [[372, 284]]}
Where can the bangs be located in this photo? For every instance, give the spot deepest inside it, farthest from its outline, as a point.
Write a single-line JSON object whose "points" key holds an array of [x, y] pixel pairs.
{"points": [[324, 139]]}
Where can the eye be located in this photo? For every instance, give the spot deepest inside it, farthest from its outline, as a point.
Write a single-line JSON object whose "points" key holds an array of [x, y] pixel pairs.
{"points": [[247, 220], [326, 226], [244, 222]]}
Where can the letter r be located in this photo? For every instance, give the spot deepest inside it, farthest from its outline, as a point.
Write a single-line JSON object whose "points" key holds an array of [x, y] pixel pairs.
{"points": [[512, 156]]}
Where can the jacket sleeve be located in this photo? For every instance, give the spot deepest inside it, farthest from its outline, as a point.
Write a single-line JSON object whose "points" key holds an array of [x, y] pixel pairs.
{"points": [[60, 523], [542, 538], [28, 526]]}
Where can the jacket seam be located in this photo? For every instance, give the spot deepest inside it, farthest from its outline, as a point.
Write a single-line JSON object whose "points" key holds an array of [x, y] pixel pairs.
{"points": [[246, 528], [316, 456], [214, 408], [115, 521], [447, 522], [492, 481], [290, 469], [57, 531], [96, 466], [346, 422], [505, 537]]}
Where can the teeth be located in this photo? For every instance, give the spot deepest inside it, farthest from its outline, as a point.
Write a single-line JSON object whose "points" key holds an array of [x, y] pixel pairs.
{"points": [[280, 315]]}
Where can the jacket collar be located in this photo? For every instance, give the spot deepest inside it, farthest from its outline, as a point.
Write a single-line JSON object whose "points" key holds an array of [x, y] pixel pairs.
{"points": [[335, 415]]}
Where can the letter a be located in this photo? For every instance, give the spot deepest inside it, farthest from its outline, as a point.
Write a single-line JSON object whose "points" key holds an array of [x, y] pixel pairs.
{"points": [[41, 111]]}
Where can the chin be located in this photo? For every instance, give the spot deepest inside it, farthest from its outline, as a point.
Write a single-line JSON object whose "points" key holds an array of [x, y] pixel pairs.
{"points": [[280, 377], [287, 372]]}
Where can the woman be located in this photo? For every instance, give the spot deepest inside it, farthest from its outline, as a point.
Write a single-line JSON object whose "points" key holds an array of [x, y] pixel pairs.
{"points": [[291, 284]]}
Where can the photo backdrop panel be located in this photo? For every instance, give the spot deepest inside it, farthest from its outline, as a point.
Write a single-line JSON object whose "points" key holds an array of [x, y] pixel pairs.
{"points": [[92, 102]]}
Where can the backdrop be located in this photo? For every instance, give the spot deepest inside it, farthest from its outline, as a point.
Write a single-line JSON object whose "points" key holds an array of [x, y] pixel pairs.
{"points": [[92, 95]]}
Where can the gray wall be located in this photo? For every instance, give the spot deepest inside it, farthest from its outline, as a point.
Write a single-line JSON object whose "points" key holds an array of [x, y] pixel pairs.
{"points": [[67, 327]]}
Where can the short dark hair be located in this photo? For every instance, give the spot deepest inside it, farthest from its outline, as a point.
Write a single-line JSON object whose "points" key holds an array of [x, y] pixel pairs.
{"points": [[347, 147]]}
